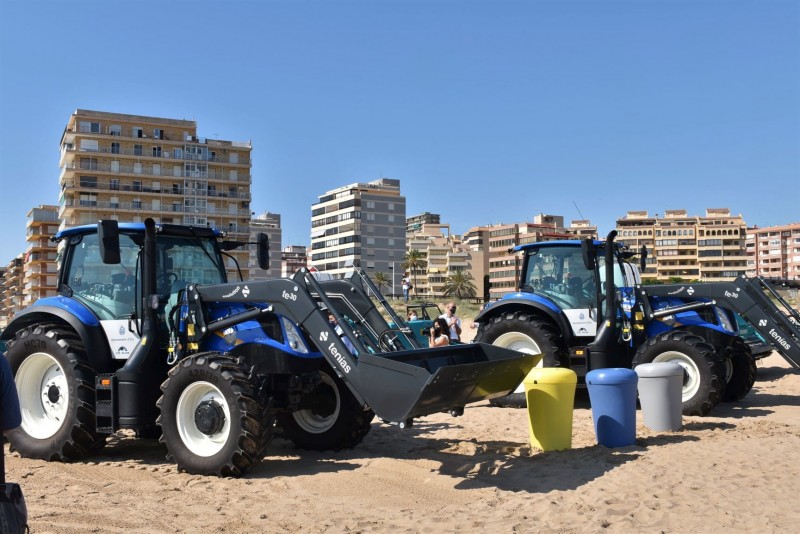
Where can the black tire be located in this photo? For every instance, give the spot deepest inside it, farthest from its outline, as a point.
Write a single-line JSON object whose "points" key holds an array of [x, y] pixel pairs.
{"points": [[704, 370], [740, 371], [330, 417], [56, 393], [212, 421], [525, 333]]}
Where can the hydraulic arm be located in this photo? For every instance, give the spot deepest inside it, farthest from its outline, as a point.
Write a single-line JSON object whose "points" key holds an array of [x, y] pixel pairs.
{"points": [[750, 298]]}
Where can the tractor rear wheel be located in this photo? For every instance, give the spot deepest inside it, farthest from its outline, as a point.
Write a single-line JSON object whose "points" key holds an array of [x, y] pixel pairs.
{"points": [[329, 418], [703, 369], [740, 371], [212, 421], [524, 333], [56, 393]]}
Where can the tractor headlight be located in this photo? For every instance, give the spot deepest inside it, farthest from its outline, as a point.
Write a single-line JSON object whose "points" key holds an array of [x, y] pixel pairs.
{"points": [[725, 320], [293, 337]]}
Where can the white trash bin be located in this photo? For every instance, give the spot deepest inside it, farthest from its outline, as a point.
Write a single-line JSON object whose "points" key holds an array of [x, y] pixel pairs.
{"points": [[660, 386]]}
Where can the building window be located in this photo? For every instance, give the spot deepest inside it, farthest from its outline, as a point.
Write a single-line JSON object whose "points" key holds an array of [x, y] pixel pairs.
{"points": [[156, 151], [113, 184], [115, 129], [115, 148], [137, 203], [136, 131], [137, 150], [89, 127]]}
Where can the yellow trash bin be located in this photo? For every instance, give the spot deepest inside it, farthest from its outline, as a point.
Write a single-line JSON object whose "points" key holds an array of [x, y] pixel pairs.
{"points": [[550, 394]]}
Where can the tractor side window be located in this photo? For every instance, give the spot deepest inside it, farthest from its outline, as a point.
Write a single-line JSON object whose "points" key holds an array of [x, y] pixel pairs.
{"points": [[108, 290]]}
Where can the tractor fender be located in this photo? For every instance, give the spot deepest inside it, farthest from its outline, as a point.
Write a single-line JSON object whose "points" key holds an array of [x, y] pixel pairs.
{"points": [[92, 335], [533, 304]]}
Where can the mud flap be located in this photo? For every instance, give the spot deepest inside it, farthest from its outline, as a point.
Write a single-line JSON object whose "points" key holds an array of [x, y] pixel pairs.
{"points": [[407, 384]]}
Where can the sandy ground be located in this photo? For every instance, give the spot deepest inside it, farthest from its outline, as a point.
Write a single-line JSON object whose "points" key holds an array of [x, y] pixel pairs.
{"points": [[735, 471]]}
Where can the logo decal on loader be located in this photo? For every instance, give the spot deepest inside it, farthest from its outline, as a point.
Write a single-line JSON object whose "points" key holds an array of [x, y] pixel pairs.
{"points": [[232, 293], [323, 336], [246, 292], [762, 322]]}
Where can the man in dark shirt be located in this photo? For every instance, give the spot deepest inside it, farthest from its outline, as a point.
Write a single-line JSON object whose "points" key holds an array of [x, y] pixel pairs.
{"points": [[9, 402]]}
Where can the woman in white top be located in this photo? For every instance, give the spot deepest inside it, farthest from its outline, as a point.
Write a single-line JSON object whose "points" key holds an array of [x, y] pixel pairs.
{"points": [[439, 336]]}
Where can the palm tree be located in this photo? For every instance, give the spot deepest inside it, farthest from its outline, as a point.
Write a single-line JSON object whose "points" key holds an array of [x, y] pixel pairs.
{"points": [[459, 285], [413, 261], [381, 280]]}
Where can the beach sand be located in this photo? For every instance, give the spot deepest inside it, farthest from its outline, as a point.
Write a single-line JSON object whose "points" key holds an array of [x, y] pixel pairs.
{"points": [[737, 470]]}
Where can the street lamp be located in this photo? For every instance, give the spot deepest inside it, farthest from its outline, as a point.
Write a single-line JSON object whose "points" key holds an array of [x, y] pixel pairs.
{"points": [[392, 268]]}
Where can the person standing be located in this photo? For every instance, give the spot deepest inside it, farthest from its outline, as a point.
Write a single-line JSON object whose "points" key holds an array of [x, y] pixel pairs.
{"points": [[406, 286], [453, 321]]}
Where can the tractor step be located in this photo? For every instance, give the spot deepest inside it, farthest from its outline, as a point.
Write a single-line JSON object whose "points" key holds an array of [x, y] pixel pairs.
{"points": [[105, 391]]}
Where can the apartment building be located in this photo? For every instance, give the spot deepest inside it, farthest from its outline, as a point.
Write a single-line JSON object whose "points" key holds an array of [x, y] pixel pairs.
{"points": [[582, 229], [710, 248], [293, 257], [415, 222], [498, 240], [40, 270], [359, 224], [444, 255], [13, 283], [270, 224], [774, 251], [130, 167]]}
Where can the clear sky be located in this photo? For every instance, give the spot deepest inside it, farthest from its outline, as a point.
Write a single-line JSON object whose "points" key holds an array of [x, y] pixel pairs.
{"points": [[487, 111]]}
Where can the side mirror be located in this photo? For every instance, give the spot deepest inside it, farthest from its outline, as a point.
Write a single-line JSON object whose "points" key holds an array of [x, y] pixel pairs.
{"points": [[642, 259], [263, 251], [108, 236], [588, 252]]}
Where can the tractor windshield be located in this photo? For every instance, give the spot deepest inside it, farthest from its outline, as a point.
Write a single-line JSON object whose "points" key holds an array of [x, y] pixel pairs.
{"points": [[559, 274]]}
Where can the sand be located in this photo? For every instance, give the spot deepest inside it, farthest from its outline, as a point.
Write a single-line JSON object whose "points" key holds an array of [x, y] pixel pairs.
{"points": [[735, 471]]}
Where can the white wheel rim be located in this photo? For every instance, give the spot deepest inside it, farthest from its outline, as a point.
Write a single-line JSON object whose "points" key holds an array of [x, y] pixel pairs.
{"points": [[314, 423], [43, 395], [691, 374], [521, 343], [196, 441]]}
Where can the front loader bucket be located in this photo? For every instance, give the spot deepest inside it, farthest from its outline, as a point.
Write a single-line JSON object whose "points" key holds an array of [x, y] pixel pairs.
{"points": [[402, 385]]}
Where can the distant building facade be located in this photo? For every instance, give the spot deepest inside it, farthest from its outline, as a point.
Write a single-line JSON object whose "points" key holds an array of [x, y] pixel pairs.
{"points": [[269, 224], [293, 258], [13, 283], [710, 248], [774, 251], [40, 267], [362, 224], [414, 223]]}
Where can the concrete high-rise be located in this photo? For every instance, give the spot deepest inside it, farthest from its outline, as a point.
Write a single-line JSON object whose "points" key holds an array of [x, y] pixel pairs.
{"points": [[40, 267], [774, 251], [362, 224], [130, 167]]}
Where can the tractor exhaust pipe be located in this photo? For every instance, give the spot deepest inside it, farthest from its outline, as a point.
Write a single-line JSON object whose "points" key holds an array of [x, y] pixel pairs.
{"points": [[138, 379], [610, 290]]}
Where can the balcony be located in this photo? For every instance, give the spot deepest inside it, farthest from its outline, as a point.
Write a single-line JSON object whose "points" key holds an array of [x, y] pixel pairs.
{"points": [[150, 206], [162, 171], [161, 189], [147, 152]]}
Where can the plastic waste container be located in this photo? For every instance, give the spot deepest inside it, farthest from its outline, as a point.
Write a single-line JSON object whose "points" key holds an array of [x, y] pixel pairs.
{"points": [[660, 386], [612, 393], [550, 394]]}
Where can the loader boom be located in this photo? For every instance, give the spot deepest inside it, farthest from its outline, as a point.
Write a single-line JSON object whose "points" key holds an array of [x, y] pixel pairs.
{"points": [[749, 298]]}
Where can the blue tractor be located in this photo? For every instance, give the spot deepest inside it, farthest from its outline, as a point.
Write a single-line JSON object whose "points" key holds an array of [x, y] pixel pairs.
{"points": [[146, 334], [581, 305]]}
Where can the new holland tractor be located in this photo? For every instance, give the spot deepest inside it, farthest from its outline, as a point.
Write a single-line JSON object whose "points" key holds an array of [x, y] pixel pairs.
{"points": [[581, 305], [146, 334]]}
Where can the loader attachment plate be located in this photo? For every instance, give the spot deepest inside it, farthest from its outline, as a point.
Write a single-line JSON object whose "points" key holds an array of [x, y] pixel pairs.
{"points": [[407, 384]]}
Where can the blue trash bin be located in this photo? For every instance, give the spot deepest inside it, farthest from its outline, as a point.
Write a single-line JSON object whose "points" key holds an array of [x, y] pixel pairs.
{"points": [[612, 393]]}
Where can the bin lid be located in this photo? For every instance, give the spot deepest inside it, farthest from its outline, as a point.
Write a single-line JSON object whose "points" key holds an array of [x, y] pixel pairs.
{"points": [[551, 375], [614, 375], [658, 370]]}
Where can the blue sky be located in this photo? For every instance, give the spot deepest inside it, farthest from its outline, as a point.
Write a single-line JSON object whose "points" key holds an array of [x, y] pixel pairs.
{"points": [[486, 111]]}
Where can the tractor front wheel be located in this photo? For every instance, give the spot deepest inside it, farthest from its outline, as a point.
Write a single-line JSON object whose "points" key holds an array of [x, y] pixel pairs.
{"points": [[56, 393], [524, 333], [740, 371], [329, 417], [703, 369], [211, 419]]}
